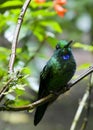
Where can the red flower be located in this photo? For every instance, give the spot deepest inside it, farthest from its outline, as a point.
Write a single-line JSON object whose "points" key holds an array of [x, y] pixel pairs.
{"points": [[61, 2], [40, 1], [60, 10]]}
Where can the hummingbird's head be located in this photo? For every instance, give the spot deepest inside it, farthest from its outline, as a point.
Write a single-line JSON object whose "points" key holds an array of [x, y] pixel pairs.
{"points": [[63, 44], [63, 49]]}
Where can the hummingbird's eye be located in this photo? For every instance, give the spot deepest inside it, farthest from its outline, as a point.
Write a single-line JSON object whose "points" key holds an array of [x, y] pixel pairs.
{"points": [[57, 46]]}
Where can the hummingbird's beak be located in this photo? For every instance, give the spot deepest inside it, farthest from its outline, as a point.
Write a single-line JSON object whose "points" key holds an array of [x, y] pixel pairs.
{"points": [[69, 43]]}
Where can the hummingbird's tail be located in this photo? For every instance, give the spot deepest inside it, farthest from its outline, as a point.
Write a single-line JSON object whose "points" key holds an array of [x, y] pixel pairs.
{"points": [[39, 113]]}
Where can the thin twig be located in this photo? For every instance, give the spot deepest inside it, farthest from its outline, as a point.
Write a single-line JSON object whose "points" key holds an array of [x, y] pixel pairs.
{"points": [[28, 107], [5, 89], [16, 35], [32, 57], [85, 121], [83, 75], [79, 111], [51, 96], [80, 108]]}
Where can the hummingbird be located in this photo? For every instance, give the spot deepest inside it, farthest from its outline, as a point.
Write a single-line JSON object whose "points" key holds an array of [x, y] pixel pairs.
{"points": [[55, 75]]}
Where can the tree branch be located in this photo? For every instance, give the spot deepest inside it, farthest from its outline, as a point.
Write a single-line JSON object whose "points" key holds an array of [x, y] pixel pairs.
{"points": [[79, 111], [50, 96], [5, 89], [85, 120], [16, 34], [81, 107]]}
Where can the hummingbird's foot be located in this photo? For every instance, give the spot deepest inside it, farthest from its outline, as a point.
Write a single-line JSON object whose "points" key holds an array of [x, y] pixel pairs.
{"points": [[55, 93], [68, 85]]}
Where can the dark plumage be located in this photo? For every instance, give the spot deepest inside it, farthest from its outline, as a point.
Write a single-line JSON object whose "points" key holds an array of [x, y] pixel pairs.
{"points": [[55, 75]]}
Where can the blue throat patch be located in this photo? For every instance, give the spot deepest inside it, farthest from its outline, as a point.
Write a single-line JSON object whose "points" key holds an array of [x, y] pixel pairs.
{"points": [[66, 57]]}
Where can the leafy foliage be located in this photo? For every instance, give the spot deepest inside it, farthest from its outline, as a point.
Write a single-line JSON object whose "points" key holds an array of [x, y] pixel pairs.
{"points": [[39, 34], [83, 46]]}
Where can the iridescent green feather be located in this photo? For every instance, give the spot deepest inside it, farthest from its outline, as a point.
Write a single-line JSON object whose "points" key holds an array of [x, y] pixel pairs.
{"points": [[55, 75]]}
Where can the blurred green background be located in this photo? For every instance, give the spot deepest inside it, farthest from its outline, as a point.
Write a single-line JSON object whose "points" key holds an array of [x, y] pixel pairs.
{"points": [[40, 31]]}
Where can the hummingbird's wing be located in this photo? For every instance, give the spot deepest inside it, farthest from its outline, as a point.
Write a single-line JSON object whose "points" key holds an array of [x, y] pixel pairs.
{"points": [[45, 76]]}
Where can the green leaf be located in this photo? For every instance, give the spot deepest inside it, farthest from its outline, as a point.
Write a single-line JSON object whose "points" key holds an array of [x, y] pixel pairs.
{"points": [[39, 32], [3, 1], [52, 41], [26, 70], [39, 35], [52, 24], [18, 89], [46, 4], [4, 53], [10, 5], [42, 13], [84, 66], [19, 50], [20, 102], [83, 46]]}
